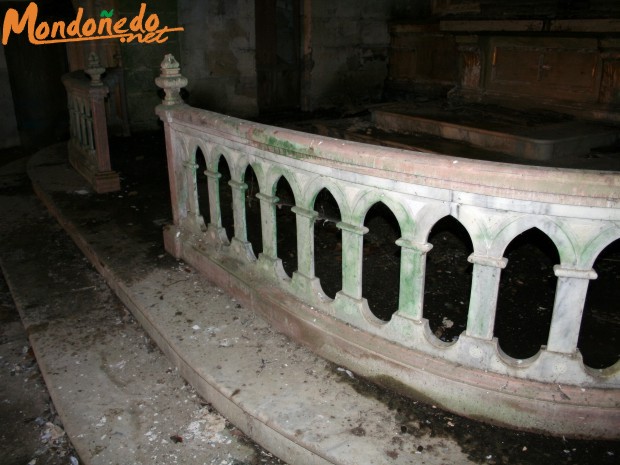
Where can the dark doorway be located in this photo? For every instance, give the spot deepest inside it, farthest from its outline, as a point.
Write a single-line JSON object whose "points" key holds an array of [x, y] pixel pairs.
{"points": [[277, 55]]}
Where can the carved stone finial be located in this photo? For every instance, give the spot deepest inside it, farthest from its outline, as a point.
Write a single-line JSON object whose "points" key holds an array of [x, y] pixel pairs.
{"points": [[171, 80], [94, 70]]}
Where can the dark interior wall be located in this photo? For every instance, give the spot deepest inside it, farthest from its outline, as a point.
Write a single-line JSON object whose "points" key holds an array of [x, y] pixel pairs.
{"points": [[349, 42], [345, 44], [9, 135], [558, 55], [34, 71], [497, 9], [350, 49], [278, 60], [218, 55], [141, 62], [343, 52]]}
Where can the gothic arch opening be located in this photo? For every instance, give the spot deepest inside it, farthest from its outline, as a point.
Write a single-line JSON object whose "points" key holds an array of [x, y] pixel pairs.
{"points": [[202, 187], [447, 284], [381, 261], [599, 338], [328, 243], [286, 226], [225, 194], [526, 294], [252, 211]]}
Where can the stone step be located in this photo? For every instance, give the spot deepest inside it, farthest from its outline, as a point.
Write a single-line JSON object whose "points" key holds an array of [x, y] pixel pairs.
{"points": [[121, 401]]}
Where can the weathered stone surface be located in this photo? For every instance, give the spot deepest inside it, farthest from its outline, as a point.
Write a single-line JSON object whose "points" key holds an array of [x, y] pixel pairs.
{"points": [[494, 202]]}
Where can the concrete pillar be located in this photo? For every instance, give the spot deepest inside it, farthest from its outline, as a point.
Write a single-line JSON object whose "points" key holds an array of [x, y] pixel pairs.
{"points": [[484, 292], [570, 298]]}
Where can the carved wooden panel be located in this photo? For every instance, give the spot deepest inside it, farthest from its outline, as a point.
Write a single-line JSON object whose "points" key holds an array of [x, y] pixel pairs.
{"points": [[610, 82], [563, 69], [420, 53], [445, 7]]}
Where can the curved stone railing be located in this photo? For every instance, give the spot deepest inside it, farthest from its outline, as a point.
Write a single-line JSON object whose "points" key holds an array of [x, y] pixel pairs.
{"points": [[579, 211]]}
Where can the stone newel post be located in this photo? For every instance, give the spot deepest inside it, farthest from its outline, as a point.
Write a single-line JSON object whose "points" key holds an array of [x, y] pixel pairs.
{"points": [[171, 80], [180, 162], [94, 70]]}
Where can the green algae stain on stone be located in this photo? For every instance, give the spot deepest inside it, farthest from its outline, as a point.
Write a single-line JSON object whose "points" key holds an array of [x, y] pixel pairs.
{"points": [[285, 147]]}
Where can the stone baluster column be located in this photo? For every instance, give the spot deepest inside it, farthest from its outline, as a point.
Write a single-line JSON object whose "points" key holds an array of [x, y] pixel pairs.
{"points": [[304, 279], [412, 278], [239, 242], [268, 224], [215, 229], [484, 292], [191, 186], [305, 241], [238, 204], [268, 258], [352, 258], [73, 116], [82, 123], [570, 297]]}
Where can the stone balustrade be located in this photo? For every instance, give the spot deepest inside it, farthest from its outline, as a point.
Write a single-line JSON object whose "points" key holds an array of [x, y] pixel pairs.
{"points": [[553, 391], [89, 150]]}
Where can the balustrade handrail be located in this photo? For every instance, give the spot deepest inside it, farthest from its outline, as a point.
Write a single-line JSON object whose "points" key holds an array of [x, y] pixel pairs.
{"points": [[552, 391], [522, 182]]}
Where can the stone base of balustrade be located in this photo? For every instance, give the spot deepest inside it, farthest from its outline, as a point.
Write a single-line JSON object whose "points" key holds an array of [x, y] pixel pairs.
{"points": [[308, 289], [172, 240], [551, 408], [216, 234], [242, 250], [104, 182], [101, 181], [271, 268]]}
